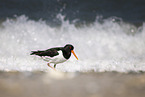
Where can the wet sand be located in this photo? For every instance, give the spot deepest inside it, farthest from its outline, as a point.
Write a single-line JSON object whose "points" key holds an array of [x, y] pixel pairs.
{"points": [[51, 84]]}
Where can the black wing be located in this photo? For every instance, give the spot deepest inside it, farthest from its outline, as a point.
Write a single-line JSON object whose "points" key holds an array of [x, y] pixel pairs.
{"points": [[49, 52]]}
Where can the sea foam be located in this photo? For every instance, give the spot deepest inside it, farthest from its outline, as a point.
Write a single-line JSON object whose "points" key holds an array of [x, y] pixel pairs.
{"points": [[105, 45]]}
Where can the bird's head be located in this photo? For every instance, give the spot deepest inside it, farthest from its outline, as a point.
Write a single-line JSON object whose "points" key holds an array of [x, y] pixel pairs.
{"points": [[70, 48]]}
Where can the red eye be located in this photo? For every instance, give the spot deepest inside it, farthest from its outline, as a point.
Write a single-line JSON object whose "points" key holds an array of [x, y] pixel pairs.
{"points": [[70, 47]]}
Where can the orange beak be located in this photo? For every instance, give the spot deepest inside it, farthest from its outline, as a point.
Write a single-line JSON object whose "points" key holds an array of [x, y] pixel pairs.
{"points": [[74, 54]]}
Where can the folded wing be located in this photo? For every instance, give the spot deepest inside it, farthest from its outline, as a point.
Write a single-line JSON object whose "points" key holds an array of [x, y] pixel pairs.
{"points": [[50, 52]]}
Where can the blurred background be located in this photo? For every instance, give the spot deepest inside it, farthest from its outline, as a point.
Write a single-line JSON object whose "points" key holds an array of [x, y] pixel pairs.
{"points": [[107, 35]]}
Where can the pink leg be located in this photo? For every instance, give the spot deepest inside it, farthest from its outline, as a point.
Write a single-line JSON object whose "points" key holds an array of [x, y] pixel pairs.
{"points": [[51, 66]]}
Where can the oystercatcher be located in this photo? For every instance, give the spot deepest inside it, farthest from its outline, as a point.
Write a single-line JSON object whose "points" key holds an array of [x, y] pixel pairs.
{"points": [[55, 55]]}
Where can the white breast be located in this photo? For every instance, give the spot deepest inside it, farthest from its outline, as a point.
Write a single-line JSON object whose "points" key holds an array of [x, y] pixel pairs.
{"points": [[56, 59]]}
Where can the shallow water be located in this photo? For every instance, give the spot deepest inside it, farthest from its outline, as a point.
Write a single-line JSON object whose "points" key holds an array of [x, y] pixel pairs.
{"points": [[36, 84]]}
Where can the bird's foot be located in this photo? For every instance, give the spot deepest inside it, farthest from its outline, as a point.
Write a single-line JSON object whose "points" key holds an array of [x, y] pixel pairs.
{"points": [[51, 66], [54, 65]]}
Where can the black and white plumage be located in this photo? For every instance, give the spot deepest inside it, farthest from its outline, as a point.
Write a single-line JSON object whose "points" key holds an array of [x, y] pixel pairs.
{"points": [[56, 55]]}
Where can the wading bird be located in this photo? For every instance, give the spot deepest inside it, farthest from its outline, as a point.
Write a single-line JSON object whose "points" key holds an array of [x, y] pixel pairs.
{"points": [[56, 55]]}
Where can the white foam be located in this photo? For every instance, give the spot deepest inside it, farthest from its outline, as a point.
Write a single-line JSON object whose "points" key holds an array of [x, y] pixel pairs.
{"points": [[106, 46]]}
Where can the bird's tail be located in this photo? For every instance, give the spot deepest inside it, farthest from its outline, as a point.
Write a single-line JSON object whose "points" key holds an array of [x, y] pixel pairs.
{"points": [[35, 52]]}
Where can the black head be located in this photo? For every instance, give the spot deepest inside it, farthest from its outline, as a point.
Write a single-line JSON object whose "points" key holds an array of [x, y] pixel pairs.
{"points": [[68, 47], [67, 51]]}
